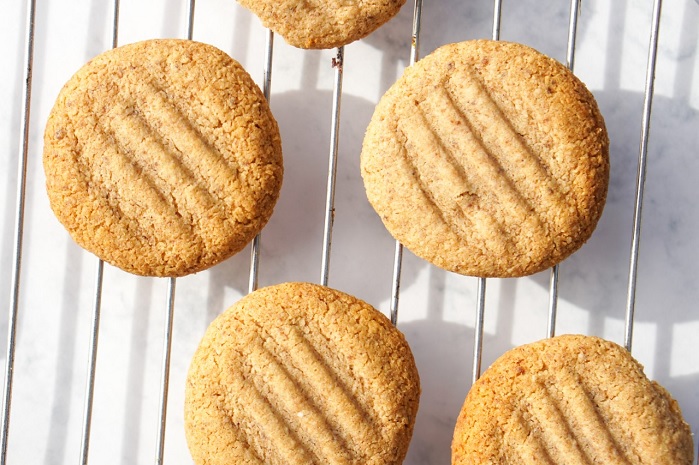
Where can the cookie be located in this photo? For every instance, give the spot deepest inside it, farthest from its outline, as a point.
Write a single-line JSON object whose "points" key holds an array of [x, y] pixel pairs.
{"points": [[570, 400], [323, 24], [487, 159], [162, 157], [301, 374]]}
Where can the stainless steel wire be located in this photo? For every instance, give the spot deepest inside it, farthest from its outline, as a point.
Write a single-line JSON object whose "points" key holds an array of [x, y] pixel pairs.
{"points": [[497, 16], [570, 64], [94, 334], [96, 315], [253, 282], [337, 63], [115, 23], [553, 303], [641, 174], [478, 331], [92, 363], [398, 252], [417, 25], [572, 32], [480, 299], [267, 92], [169, 319], [19, 232], [395, 288], [267, 70], [165, 376], [190, 19]]}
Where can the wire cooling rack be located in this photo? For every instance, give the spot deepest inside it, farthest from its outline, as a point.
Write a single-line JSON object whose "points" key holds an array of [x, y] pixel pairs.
{"points": [[68, 415]]}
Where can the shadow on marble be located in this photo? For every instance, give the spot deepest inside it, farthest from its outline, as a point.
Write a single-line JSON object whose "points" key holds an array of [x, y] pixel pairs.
{"points": [[444, 355], [67, 357], [362, 251], [13, 149], [291, 244], [239, 45], [596, 277], [454, 21], [668, 259], [64, 356], [11, 146], [136, 371]]}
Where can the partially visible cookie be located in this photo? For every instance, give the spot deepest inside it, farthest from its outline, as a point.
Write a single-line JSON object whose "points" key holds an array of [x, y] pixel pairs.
{"points": [[570, 400], [301, 374], [323, 24], [162, 157], [488, 159]]}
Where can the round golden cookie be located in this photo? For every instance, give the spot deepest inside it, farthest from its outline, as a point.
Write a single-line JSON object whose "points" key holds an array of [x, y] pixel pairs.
{"points": [[570, 400], [162, 157], [487, 159], [323, 24], [301, 374]]}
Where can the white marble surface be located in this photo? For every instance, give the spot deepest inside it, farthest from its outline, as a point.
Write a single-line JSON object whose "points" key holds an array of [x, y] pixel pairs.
{"points": [[437, 310]]}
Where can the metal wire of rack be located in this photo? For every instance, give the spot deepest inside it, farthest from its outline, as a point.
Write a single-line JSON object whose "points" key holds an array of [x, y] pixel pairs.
{"points": [[338, 64]]}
